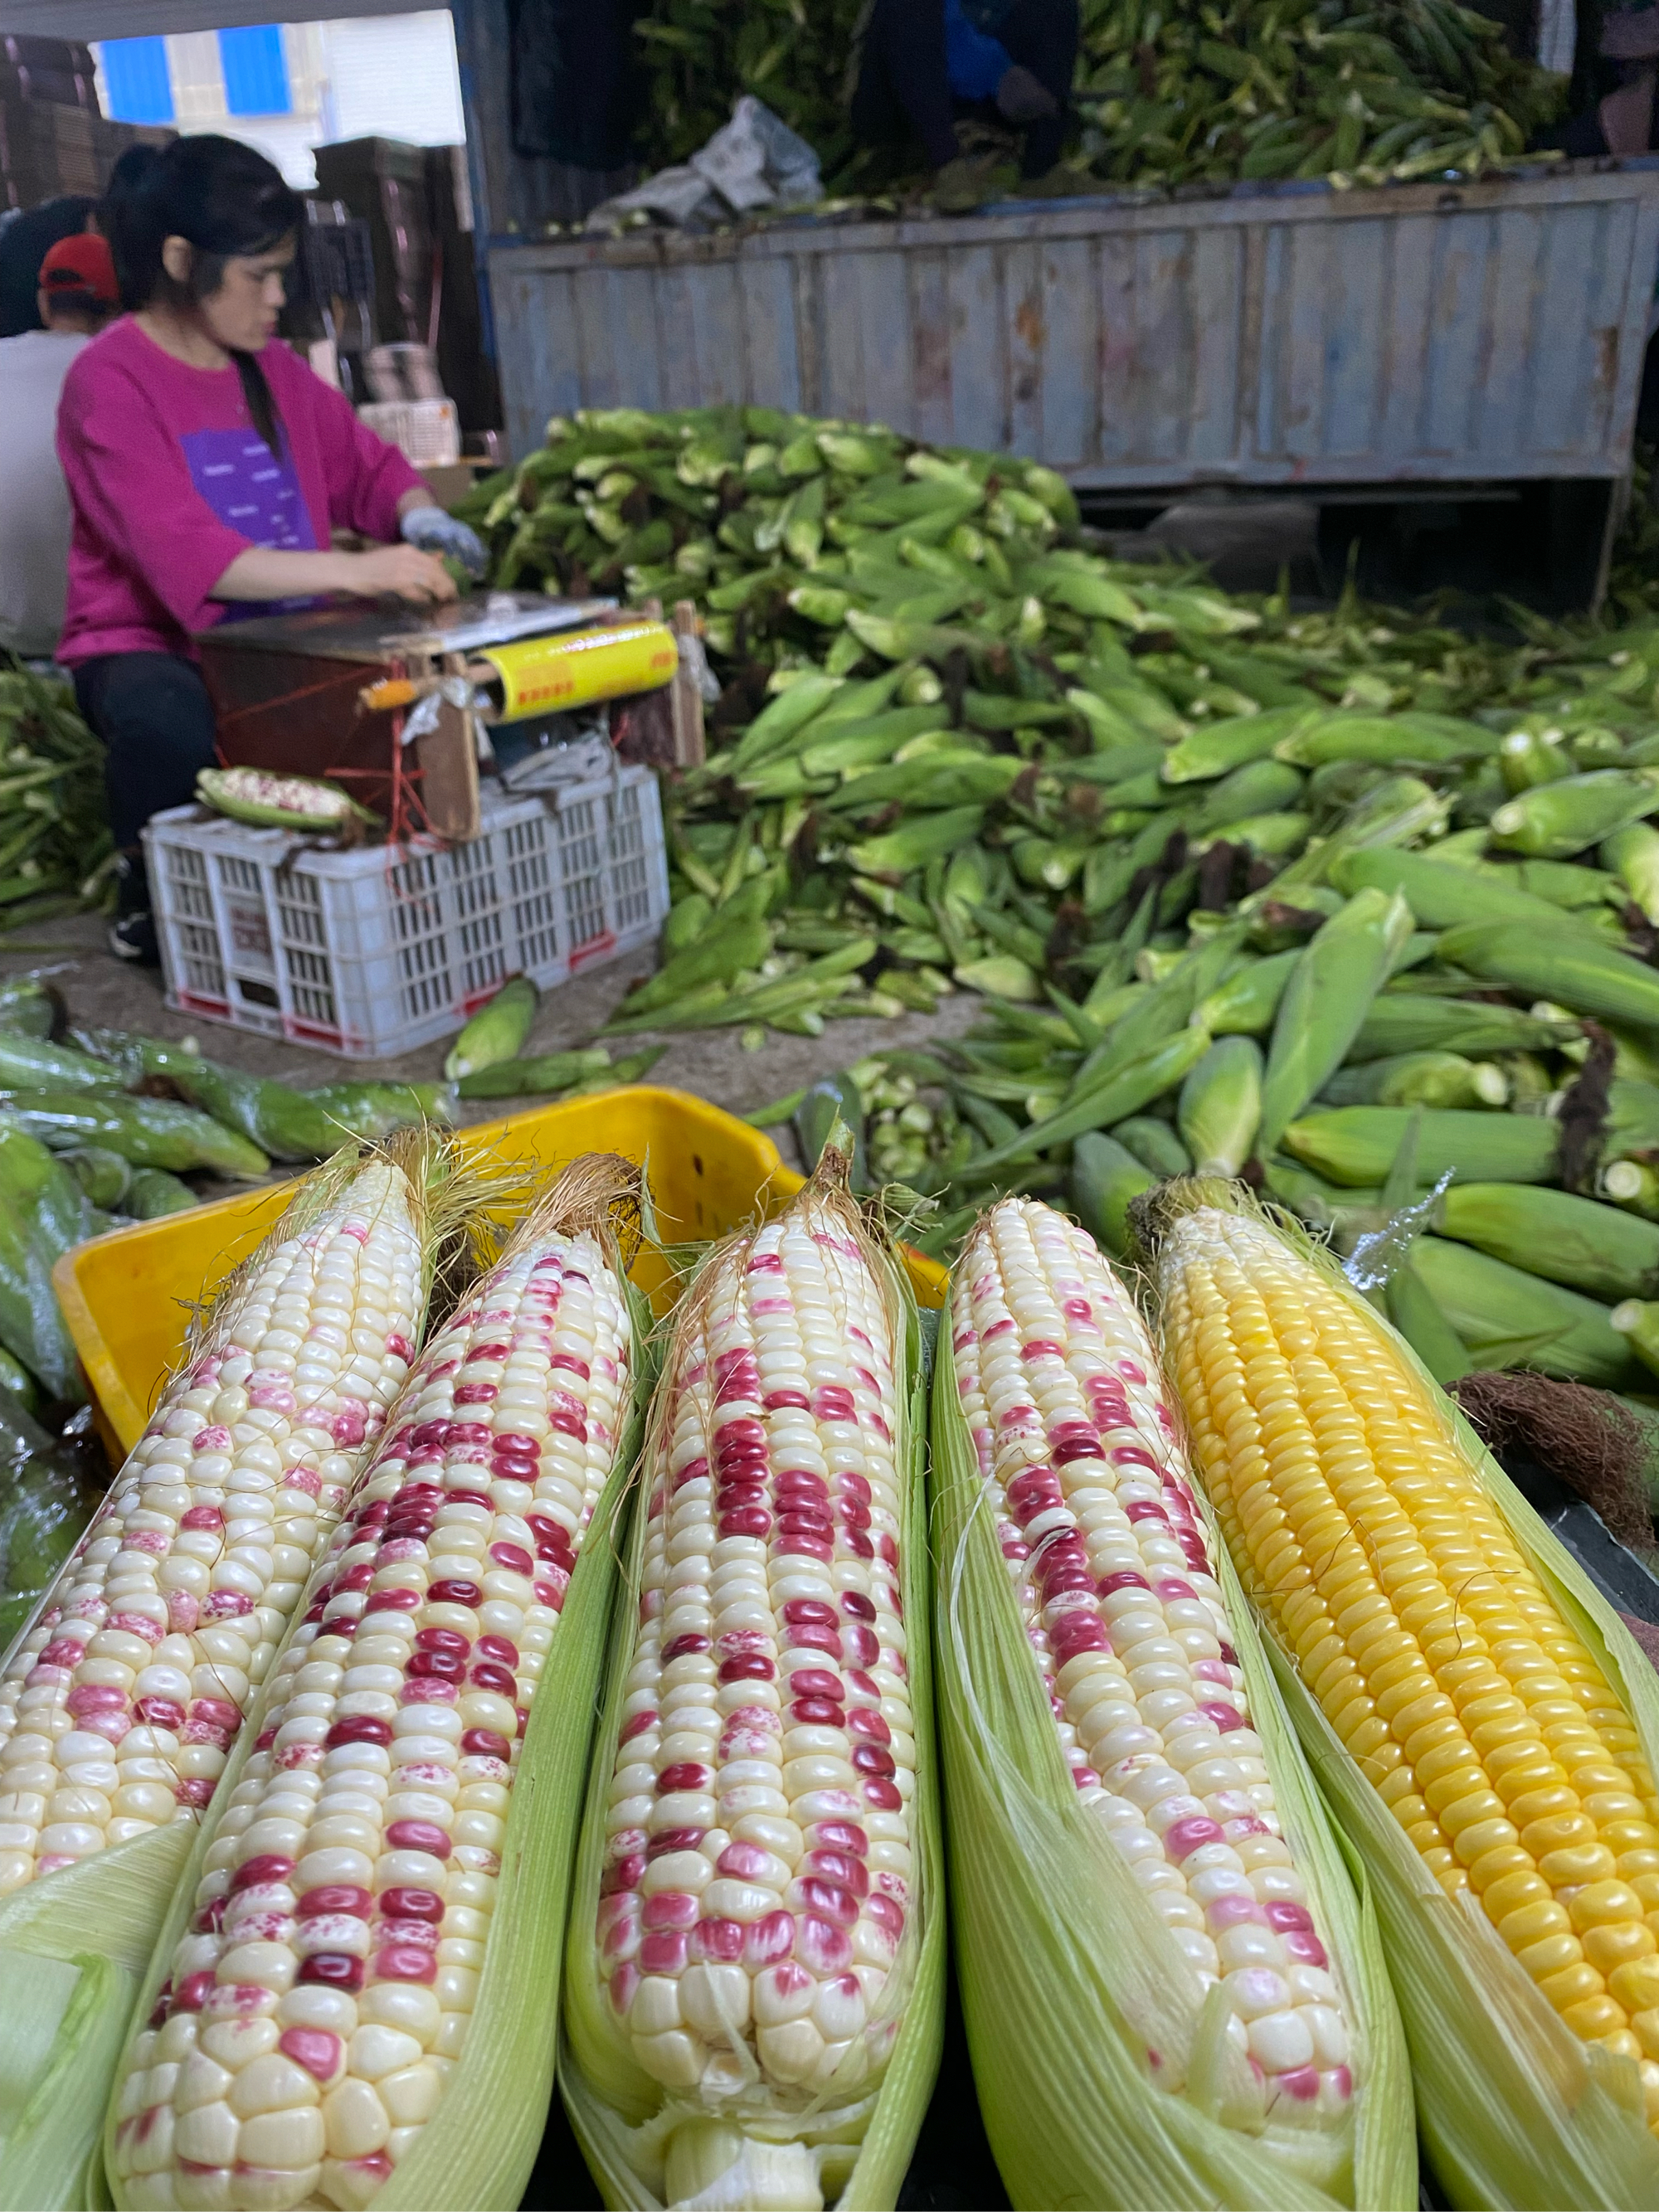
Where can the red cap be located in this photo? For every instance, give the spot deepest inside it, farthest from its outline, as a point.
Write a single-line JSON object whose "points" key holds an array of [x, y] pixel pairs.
{"points": [[79, 265]]}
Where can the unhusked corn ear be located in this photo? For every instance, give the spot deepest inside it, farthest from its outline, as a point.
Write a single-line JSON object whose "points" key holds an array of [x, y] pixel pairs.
{"points": [[318, 2004], [119, 1707], [1080, 1458], [759, 1906], [1418, 1621]]}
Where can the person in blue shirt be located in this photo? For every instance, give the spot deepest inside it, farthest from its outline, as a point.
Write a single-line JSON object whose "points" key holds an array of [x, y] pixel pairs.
{"points": [[924, 61]]}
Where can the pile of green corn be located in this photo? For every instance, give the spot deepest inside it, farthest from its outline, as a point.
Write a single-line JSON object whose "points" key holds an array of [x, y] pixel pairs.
{"points": [[1347, 904], [55, 853], [1408, 88], [1251, 88], [101, 1127]]}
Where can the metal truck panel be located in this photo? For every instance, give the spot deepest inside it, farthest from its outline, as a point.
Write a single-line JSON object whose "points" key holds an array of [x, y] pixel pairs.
{"points": [[1281, 335]]}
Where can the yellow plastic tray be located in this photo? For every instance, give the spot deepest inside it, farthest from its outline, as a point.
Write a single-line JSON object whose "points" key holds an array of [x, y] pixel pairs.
{"points": [[128, 1296]]}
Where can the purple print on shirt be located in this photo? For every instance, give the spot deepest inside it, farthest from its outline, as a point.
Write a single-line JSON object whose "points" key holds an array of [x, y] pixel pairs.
{"points": [[254, 494], [250, 490]]}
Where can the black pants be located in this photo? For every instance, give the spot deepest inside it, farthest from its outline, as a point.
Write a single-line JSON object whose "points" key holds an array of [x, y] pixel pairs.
{"points": [[904, 89], [153, 713]]}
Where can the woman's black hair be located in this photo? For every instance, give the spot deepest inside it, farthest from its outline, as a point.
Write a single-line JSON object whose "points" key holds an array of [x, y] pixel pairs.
{"points": [[225, 200]]}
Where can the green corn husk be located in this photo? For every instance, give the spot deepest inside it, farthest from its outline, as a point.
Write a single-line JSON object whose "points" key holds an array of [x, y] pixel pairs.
{"points": [[496, 1031], [1563, 968], [1339, 973], [1244, 1005], [75, 1944], [1405, 1022], [15, 1379], [1415, 1311], [377, 1111], [480, 2145], [1106, 1179], [1637, 1320], [1599, 1249], [1525, 758], [1220, 1106], [1155, 1144], [46, 1501], [104, 1176], [1551, 821], [1632, 855], [1512, 2108], [1356, 1145], [1418, 1079], [1131, 1083], [1508, 1317], [1389, 741], [1632, 1184], [546, 1071], [1066, 1976], [628, 2127], [29, 1063], [153, 1192], [151, 1132], [28, 1006], [1220, 746], [1441, 895]]}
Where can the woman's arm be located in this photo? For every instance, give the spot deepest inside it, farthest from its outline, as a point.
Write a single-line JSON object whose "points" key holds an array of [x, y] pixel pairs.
{"points": [[263, 573]]}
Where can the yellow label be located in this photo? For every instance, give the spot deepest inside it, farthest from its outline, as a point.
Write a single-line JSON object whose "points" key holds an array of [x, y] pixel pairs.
{"points": [[571, 668]]}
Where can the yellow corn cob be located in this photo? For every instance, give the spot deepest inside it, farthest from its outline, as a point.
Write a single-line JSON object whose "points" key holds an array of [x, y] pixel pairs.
{"points": [[323, 1991], [118, 1708], [759, 1883], [1063, 1399], [1359, 1529]]}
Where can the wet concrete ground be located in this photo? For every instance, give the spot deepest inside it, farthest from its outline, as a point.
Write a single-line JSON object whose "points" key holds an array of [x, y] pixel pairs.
{"points": [[101, 991]]}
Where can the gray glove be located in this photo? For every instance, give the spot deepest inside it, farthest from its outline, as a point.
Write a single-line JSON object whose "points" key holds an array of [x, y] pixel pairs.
{"points": [[1021, 98], [434, 532]]}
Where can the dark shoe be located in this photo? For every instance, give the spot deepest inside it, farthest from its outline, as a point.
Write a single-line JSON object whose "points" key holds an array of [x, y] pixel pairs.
{"points": [[132, 933], [133, 937]]}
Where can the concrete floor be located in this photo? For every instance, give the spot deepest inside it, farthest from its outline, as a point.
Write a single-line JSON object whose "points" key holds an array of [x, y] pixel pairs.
{"points": [[102, 992]]}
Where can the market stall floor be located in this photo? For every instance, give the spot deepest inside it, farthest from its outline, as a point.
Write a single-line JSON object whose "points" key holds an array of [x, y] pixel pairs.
{"points": [[102, 992]]}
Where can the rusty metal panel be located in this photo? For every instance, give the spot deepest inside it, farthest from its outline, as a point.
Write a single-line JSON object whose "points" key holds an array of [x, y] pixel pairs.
{"points": [[1281, 335]]}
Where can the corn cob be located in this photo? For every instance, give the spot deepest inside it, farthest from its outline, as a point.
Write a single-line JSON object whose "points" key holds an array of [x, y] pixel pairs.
{"points": [[750, 1933], [316, 2004], [1552, 820], [1632, 855], [118, 1710], [1592, 1248], [122, 1705], [1053, 1364], [1106, 1177], [1325, 1001], [1384, 1563], [1196, 1948]]}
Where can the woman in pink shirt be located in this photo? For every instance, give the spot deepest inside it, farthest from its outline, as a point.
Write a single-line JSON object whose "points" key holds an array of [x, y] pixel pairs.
{"points": [[207, 468]]}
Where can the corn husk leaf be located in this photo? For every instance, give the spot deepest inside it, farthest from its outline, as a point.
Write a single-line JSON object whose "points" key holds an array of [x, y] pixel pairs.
{"points": [[1069, 1979], [479, 2147], [623, 2119], [101, 1918], [1513, 2109]]}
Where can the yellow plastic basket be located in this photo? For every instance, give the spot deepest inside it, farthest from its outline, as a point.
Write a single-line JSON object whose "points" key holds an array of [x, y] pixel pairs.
{"points": [[128, 1296]]}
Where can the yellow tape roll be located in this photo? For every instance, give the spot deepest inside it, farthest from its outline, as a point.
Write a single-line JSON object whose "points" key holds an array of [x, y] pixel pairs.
{"points": [[571, 668]]}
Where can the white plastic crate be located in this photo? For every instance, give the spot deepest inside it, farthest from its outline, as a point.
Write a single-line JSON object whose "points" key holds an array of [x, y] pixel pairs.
{"points": [[372, 952], [426, 432]]}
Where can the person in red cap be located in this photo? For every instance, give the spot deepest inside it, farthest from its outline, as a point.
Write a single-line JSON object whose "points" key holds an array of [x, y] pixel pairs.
{"points": [[77, 296]]}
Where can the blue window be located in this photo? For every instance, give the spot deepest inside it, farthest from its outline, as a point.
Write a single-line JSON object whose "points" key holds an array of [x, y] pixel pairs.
{"points": [[135, 82], [256, 74]]}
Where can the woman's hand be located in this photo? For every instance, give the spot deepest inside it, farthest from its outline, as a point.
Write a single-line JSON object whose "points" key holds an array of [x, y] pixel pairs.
{"points": [[403, 570], [265, 572]]}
